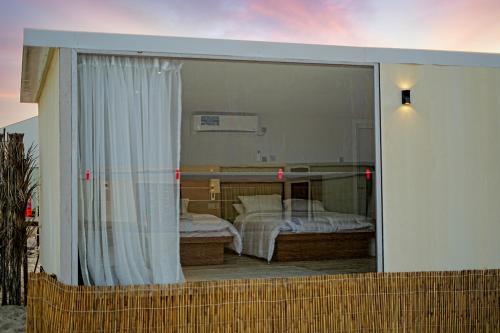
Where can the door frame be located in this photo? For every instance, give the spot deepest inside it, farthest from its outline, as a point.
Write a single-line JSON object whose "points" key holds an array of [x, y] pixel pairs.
{"points": [[356, 125], [303, 61]]}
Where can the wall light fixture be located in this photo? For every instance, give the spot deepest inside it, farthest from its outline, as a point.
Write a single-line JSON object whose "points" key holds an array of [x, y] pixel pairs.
{"points": [[405, 97]]}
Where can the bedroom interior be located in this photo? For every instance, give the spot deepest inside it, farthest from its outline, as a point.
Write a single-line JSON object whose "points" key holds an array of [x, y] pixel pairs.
{"points": [[233, 168], [277, 170]]}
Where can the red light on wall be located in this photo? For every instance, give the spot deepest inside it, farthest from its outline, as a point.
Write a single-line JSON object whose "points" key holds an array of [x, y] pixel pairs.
{"points": [[87, 175], [368, 174], [177, 174], [280, 174], [29, 211]]}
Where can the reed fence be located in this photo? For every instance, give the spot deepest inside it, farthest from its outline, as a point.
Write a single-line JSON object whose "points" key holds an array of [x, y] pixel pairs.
{"points": [[456, 301]]}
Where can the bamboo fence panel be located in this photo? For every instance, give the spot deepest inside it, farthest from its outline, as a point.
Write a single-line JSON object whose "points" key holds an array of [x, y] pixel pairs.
{"points": [[455, 301]]}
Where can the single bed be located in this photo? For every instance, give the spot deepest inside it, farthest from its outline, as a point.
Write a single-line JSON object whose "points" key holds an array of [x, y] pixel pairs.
{"points": [[279, 234], [203, 238]]}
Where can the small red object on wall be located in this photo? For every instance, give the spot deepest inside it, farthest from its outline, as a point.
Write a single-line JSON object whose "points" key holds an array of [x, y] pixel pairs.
{"points": [[280, 174], [177, 174], [87, 175], [368, 174], [29, 208]]}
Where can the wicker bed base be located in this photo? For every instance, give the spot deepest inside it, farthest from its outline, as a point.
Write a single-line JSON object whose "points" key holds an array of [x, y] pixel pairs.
{"points": [[198, 251], [322, 246]]}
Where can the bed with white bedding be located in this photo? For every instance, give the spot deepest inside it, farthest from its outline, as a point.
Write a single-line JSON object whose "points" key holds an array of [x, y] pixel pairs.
{"points": [[207, 225], [261, 232], [203, 238], [271, 233]]}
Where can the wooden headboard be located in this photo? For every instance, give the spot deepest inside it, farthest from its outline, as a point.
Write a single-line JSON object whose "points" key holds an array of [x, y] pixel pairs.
{"points": [[231, 191], [198, 193]]}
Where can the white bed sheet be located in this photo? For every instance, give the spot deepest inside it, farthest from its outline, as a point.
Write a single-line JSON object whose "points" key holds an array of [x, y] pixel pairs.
{"points": [[207, 225]]}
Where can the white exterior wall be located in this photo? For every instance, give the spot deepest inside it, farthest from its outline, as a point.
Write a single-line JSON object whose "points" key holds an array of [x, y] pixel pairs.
{"points": [[57, 244], [50, 204], [29, 128], [440, 161]]}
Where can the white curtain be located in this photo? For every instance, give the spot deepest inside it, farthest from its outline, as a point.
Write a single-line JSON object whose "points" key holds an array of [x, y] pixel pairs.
{"points": [[129, 148]]}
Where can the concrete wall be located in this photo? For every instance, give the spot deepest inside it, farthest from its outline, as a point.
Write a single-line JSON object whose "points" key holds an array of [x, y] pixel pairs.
{"points": [[50, 203], [440, 160], [308, 111]]}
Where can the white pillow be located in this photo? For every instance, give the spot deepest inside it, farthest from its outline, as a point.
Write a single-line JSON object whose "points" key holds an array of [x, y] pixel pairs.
{"points": [[298, 205], [302, 205], [184, 206], [261, 203], [317, 206], [240, 209]]}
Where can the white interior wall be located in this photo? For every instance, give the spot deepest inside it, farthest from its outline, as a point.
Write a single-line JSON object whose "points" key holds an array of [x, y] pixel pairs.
{"points": [[48, 110], [308, 110], [440, 160]]}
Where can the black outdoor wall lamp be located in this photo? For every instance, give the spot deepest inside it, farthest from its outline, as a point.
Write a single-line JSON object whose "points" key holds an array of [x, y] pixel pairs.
{"points": [[405, 97]]}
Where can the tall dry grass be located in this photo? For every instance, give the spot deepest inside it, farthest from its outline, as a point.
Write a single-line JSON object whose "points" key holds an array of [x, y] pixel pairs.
{"points": [[16, 187]]}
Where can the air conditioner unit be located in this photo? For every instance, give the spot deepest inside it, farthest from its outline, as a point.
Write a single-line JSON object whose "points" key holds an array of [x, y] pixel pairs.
{"points": [[225, 122]]}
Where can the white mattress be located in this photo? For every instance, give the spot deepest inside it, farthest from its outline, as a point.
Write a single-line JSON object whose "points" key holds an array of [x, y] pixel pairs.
{"points": [[206, 225]]}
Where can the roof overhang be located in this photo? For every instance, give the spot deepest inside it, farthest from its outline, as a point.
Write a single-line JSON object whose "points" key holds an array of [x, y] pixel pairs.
{"points": [[34, 67], [39, 43]]}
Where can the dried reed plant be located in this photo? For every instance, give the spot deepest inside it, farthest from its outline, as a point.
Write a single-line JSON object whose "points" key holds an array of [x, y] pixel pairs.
{"points": [[16, 187]]}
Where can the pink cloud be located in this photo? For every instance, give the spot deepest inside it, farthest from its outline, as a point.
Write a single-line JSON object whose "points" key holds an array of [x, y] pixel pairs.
{"points": [[319, 21], [468, 26], [302, 16], [428, 24]]}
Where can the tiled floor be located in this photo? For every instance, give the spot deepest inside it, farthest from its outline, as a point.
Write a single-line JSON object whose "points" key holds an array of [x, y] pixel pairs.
{"points": [[244, 267]]}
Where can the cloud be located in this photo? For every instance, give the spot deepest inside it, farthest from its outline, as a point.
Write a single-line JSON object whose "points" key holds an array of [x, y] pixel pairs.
{"points": [[468, 26], [319, 21], [431, 24]]}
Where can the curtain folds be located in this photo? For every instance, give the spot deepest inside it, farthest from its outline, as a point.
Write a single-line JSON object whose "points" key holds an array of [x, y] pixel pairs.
{"points": [[129, 147]]}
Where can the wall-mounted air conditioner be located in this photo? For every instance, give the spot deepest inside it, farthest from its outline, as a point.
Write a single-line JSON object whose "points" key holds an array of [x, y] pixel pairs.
{"points": [[225, 122]]}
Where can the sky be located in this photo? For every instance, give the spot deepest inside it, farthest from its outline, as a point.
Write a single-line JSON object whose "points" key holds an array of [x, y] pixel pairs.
{"points": [[460, 25]]}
